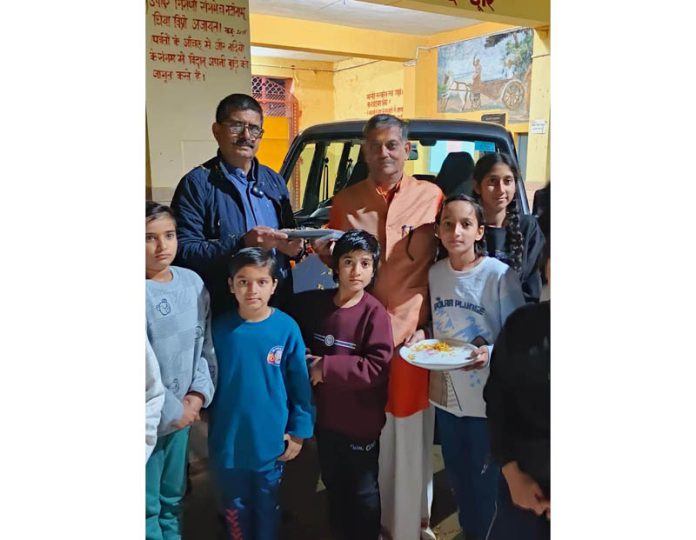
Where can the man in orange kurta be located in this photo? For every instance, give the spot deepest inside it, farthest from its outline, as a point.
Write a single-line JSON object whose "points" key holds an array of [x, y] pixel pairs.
{"points": [[400, 211]]}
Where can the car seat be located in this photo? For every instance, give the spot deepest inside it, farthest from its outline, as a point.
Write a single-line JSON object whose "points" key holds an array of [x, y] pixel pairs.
{"points": [[456, 174]]}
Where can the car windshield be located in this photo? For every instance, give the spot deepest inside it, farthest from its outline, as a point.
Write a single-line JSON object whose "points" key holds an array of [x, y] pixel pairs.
{"points": [[325, 167]]}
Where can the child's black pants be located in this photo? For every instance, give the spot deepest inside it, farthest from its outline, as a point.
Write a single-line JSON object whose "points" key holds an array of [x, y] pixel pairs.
{"points": [[349, 470]]}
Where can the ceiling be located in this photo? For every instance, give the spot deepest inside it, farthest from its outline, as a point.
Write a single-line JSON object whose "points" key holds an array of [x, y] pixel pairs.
{"points": [[297, 55], [361, 15]]}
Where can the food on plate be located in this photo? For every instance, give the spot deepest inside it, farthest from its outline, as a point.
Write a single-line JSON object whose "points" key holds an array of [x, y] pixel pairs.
{"points": [[439, 346]]}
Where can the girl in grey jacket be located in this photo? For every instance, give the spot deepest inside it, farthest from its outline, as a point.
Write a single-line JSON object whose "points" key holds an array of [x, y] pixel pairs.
{"points": [[178, 329]]}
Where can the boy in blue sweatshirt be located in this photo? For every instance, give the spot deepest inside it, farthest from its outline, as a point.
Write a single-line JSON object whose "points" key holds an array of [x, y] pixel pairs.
{"points": [[262, 410]]}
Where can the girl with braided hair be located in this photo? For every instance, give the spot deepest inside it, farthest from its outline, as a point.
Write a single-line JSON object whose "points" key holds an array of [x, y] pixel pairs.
{"points": [[511, 237]]}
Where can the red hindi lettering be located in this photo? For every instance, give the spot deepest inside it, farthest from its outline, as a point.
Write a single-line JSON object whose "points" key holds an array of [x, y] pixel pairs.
{"points": [[216, 61], [479, 3], [161, 39], [162, 74], [180, 21], [196, 60], [186, 4], [159, 3], [219, 45], [161, 20], [235, 46]]}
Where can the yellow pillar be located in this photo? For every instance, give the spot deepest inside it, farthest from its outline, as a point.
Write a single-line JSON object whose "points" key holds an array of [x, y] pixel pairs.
{"points": [[537, 173]]}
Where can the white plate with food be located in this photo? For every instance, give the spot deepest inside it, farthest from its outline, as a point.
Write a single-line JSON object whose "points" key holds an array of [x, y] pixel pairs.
{"points": [[438, 354], [311, 234]]}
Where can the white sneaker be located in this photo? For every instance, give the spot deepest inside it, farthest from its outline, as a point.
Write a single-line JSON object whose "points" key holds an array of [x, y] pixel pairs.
{"points": [[428, 534]]}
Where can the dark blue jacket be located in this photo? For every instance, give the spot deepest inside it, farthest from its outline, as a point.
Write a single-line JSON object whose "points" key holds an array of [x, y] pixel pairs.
{"points": [[211, 224]]}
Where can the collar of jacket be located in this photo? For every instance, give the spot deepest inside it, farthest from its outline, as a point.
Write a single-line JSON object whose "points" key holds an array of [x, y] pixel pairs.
{"points": [[229, 168]]}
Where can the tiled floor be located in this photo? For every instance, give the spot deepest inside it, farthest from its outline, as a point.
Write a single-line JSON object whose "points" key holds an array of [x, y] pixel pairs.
{"points": [[302, 499]]}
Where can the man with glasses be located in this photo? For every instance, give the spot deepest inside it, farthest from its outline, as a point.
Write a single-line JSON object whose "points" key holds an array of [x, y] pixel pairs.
{"points": [[232, 201]]}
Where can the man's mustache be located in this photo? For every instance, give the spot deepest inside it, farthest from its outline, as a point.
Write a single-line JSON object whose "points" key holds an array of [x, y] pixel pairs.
{"points": [[244, 142]]}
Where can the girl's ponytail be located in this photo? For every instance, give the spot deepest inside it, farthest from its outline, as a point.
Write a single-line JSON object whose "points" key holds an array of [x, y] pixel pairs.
{"points": [[514, 241]]}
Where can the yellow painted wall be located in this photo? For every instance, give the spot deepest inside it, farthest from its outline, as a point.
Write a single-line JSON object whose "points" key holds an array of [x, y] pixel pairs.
{"points": [[355, 79], [537, 173], [275, 143], [319, 37], [312, 85]]}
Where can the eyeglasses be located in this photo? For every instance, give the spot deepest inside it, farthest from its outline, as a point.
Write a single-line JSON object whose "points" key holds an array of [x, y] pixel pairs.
{"points": [[236, 128]]}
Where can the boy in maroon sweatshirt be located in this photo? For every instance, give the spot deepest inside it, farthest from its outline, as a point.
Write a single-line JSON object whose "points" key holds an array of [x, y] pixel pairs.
{"points": [[349, 340]]}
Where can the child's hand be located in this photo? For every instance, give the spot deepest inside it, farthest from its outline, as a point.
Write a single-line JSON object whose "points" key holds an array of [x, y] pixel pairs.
{"points": [[418, 335], [189, 417], [194, 400], [316, 367], [481, 358], [524, 491], [293, 448]]}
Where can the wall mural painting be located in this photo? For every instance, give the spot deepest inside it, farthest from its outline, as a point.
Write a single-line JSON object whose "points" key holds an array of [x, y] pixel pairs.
{"points": [[490, 72]]}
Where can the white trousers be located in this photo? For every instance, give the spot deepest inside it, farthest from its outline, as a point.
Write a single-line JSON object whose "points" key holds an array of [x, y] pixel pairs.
{"points": [[406, 473]]}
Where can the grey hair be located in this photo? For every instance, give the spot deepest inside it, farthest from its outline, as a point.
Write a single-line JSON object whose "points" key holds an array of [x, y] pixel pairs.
{"points": [[381, 121]]}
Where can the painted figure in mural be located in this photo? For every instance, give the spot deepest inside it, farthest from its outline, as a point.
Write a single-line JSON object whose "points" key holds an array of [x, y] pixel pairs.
{"points": [[232, 201], [476, 79], [400, 211]]}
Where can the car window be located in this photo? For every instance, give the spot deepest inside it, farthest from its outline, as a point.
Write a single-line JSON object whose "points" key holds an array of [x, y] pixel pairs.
{"points": [[322, 169]]}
